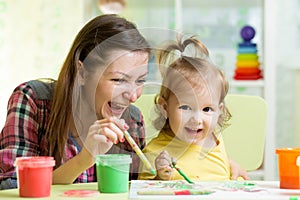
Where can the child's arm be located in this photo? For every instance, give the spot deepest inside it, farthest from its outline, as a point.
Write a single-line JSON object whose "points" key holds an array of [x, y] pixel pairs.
{"points": [[163, 164]]}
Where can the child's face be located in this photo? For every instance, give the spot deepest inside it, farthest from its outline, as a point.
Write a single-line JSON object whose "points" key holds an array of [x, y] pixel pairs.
{"points": [[194, 114]]}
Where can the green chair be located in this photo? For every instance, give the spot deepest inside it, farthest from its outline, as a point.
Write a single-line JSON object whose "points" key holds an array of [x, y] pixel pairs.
{"points": [[245, 137], [146, 104]]}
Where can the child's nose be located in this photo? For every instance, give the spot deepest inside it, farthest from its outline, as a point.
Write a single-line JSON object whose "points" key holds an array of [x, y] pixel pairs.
{"points": [[198, 117]]}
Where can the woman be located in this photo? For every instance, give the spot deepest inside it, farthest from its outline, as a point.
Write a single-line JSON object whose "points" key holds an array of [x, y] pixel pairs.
{"points": [[71, 119]]}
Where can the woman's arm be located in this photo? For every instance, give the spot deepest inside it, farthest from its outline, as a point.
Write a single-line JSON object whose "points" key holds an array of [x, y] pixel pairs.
{"points": [[70, 170], [102, 134], [19, 136]]}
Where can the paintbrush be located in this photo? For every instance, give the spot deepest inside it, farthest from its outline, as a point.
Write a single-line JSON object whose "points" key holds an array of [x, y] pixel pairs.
{"points": [[181, 173], [175, 192], [136, 148], [139, 152]]}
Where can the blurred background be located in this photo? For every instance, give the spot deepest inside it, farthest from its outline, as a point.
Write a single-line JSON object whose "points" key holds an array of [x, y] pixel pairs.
{"points": [[35, 37]]}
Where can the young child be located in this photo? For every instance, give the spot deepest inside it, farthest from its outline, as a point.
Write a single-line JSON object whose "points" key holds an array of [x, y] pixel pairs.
{"points": [[192, 114]]}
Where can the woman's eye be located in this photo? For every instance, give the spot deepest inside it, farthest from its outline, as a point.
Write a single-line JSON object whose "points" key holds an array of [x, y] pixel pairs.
{"points": [[185, 107], [118, 80], [140, 82], [207, 109]]}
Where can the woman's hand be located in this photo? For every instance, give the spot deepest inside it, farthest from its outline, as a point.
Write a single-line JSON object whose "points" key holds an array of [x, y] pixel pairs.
{"points": [[102, 134], [163, 163], [237, 171]]}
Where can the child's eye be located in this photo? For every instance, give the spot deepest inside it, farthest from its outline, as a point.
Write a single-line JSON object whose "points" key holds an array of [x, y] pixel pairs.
{"points": [[207, 109], [185, 107]]}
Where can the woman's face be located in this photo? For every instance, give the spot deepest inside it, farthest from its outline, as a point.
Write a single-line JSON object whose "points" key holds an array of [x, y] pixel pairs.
{"points": [[121, 84]]}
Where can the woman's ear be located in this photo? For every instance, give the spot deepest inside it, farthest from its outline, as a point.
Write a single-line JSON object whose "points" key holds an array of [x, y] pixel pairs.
{"points": [[81, 72], [162, 105]]}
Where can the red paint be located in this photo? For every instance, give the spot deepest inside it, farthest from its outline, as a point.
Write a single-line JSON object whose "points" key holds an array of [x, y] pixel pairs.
{"points": [[34, 176], [81, 193], [182, 192]]}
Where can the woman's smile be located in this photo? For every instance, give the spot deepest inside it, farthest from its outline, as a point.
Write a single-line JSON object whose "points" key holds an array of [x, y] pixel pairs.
{"points": [[117, 109]]}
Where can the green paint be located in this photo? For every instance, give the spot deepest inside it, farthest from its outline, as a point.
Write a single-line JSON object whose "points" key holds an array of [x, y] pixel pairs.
{"points": [[113, 172], [153, 172]]}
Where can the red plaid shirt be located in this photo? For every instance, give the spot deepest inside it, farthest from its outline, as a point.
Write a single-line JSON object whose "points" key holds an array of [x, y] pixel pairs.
{"points": [[22, 135]]}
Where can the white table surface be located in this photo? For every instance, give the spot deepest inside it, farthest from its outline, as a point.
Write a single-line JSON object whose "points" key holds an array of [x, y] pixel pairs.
{"points": [[270, 190]]}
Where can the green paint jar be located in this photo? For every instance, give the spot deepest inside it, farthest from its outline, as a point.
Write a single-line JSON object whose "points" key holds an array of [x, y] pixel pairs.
{"points": [[113, 172]]}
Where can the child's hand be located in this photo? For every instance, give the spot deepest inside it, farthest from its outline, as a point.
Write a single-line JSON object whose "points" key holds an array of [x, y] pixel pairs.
{"points": [[163, 163], [237, 171]]}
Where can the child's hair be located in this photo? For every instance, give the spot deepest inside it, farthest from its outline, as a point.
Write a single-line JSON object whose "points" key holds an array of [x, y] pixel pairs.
{"points": [[188, 61]]}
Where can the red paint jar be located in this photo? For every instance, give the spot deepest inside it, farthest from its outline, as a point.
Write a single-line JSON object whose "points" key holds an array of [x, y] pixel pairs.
{"points": [[34, 175]]}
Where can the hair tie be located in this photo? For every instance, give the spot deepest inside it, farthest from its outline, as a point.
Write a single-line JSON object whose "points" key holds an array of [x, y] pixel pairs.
{"points": [[183, 54]]}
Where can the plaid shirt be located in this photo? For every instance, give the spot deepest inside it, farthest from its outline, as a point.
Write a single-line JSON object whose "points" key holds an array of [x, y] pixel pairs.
{"points": [[23, 133]]}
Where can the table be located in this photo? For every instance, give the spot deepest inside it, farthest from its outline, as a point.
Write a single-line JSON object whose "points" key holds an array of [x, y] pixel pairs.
{"points": [[58, 190], [226, 190], [272, 192]]}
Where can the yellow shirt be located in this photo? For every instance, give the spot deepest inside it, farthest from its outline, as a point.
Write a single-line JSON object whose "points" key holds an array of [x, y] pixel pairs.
{"points": [[215, 166]]}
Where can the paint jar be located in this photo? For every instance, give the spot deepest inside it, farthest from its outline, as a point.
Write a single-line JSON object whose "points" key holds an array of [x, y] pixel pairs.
{"points": [[34, 175], [288, 168], [113, 172]]}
